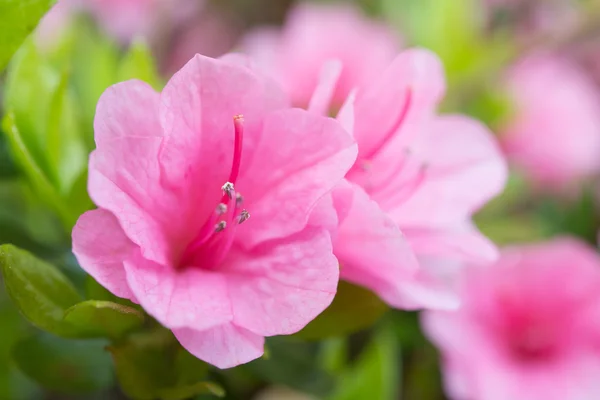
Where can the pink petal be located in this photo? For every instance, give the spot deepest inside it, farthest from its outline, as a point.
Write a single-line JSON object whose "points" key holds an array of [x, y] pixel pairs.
{"points": [[262, 44], [197, 109], [223, 346], [333, 208], [463, 242], [415, 76], [323, 94], [464, 169], [192, 298], [279, 287], [307, 156], [124, 173], [101, 246], [372, 250], [435, 286]]}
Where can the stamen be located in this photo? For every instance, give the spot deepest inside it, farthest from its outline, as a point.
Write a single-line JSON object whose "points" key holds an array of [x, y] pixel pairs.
{"points": [[238, 125], [220, 226], [244, 215], [239, 199], [221, 208], [228, 189]]}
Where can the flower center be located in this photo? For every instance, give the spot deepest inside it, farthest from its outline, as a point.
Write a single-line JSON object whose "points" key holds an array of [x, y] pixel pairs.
{"points": [[216, 236], [533, 344]]}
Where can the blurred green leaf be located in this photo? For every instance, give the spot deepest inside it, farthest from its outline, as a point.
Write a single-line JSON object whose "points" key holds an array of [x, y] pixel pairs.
{"points": [[354, 308], [48, 121], [153, 365], [18, 18], [293, 363], [65, 150], [138, 63], [35, 174], [39, 290], [579, 217], [186, 392], [13, 384], [376, 373], [67, 366], [98, 319], [30, 83], [8, 168], [94, 61]]}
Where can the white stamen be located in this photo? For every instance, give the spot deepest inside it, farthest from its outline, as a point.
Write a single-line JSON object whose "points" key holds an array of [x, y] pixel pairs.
{"points": [[244, 215], [220, 226], [228, 189], [221, 209]]}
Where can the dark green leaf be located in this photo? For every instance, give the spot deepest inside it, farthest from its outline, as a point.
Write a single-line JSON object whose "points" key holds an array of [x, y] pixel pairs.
{"points": [[293, 363], [13, 384], [375, 374], [68, 366], [189, 391], [18, 18], [354, 308], [39, 290], [93, 318], [153, 365]]}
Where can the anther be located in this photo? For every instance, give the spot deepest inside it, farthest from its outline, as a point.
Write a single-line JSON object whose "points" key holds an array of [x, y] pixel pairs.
{"points": [[228, 189], [221, 208], [220, 226], [244, 215], [239, 199]]}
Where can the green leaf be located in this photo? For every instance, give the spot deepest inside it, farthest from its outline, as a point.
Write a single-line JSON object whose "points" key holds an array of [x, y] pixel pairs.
{"points": [[39, 290], [94, 66], [354, 308], [97, 319], [48, 118], [189, 391], [138, 63], [153, 365], [375, 374], [65, 149], [13, 384], [293, 363], [18, 18], [67, 366], [35, 174]]}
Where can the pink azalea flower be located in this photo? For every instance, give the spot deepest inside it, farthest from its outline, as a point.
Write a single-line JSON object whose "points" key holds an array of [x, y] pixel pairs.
{"points": [[314, 34], [176, 174], [125, 19], [554, 135], [417, 180], [529, 327]]}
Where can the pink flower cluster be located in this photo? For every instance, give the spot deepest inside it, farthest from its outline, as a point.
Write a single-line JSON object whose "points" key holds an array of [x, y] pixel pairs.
{"points": [[528, 329], [230, 216]]}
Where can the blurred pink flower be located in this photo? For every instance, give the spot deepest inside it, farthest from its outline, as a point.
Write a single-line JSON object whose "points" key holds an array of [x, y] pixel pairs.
{"points": [[314, 34], [125, 19], [529, 327], [417, 180], [173, 175], [210, 33], [554, 134], [53, 25]]}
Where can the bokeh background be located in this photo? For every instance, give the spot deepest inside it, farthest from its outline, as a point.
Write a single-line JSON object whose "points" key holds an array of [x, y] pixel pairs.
{"points": [[529, 69]]}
